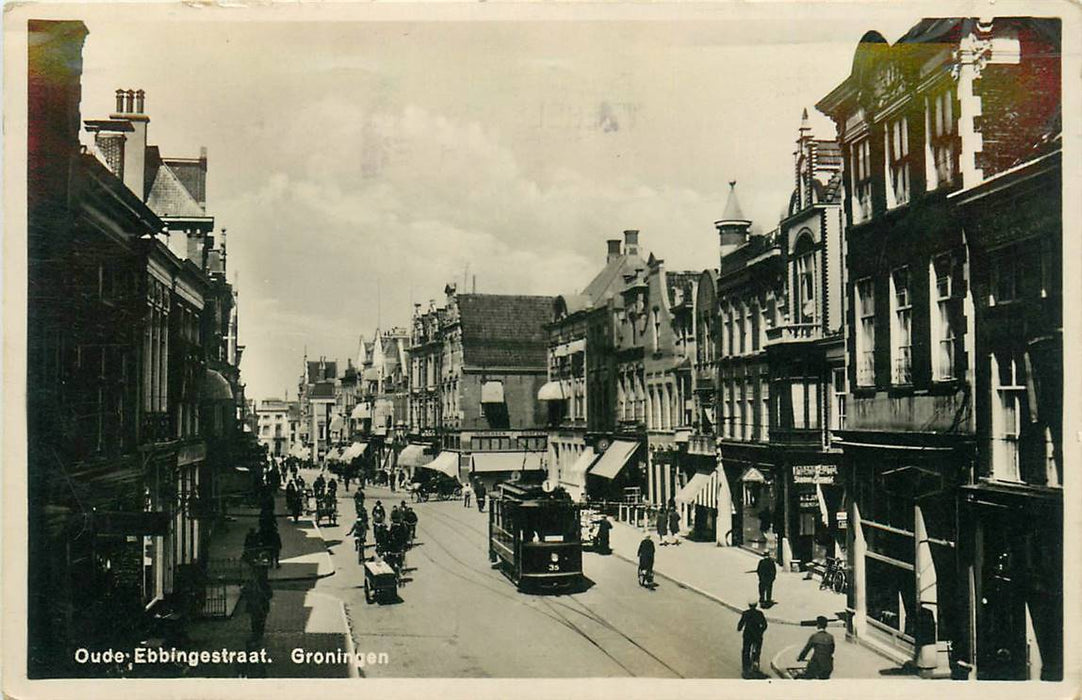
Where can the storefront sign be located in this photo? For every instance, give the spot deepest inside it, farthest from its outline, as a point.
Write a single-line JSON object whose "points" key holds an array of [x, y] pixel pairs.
{"points": [[809, 501], [842, 518], [815, 473]]}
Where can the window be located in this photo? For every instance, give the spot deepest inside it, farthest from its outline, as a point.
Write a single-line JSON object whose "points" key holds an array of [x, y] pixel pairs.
{"points": [[764, 408], [751, 417], [837, 413], [657, 331], [901, 322], [942, 138], [860, 158], [897, 137], [739, 314], [1005, 278], [727, 409], [944, 314], [1009, 393], [746, 330], [865, 340], [738, 408], [753, 325], [805, 278]]}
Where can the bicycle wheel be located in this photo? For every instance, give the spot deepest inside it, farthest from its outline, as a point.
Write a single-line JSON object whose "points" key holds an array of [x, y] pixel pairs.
{"points": [[840, 584]]}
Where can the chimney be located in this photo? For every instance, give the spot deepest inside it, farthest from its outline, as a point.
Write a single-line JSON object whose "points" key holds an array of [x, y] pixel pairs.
{"points": [[732, 226], [631, 243], [613, 250], [130, 108]]}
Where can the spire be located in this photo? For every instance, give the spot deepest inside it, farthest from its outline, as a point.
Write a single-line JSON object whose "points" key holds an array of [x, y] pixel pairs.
{"points": [[733, 213], [805, 125]]}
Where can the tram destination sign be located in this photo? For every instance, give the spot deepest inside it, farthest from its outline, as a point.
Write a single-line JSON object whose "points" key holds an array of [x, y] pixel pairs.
{"points": [[815, 473]]}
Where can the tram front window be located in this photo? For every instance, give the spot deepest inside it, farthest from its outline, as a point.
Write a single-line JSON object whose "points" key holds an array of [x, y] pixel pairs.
{"points": [[550, 525]]}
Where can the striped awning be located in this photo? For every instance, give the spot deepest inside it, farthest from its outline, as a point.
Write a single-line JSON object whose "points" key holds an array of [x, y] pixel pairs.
{"points": [[699, 482], [487, 462], [551, 391], [614, 459], [445, 463], [413, 456]]}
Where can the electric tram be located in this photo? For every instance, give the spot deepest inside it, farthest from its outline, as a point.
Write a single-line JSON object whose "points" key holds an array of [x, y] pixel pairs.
{"points": [[534, 536]]}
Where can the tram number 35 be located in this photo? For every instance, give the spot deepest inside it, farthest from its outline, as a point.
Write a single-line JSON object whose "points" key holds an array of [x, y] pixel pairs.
{"points": [[554, 567]]}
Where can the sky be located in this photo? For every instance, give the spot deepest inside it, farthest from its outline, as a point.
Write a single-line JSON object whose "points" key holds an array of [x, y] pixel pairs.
{"points": [[360, 166]]}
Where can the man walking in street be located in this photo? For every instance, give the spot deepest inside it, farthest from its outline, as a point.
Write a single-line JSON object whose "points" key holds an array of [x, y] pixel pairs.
{"points": [[767, 572], [467, 490], [480, 497], [821, 646], [753, 624], [258, 595]]}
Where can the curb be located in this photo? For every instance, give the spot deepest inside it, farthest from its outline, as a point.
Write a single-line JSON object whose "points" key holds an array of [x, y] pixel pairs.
{"points": [[332, 572], [353, 669], [711, 596], [774, 664]]}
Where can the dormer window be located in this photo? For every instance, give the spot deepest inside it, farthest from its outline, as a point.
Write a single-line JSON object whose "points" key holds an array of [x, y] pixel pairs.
{"points": [[805, 277], [897, 143]]}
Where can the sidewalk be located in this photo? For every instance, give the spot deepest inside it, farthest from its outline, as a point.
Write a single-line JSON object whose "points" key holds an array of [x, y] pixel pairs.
{"points": [[727, 574], [299, 618], [304, 553]]}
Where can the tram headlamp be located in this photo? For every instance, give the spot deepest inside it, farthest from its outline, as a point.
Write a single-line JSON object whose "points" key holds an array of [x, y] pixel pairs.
{"points": [[555, 557]]}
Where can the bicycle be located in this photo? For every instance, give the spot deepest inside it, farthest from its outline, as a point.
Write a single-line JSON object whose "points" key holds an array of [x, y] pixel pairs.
{"points": [[359, 543]]}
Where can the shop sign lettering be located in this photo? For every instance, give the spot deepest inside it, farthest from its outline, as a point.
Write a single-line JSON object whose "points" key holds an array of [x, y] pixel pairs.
{"points": [[815, 473]]}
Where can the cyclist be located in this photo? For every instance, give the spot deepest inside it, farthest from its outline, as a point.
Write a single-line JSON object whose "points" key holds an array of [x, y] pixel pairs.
{"points": [[360, 533], [410, 519], [379, 513], [358, 501], [646, 560]]}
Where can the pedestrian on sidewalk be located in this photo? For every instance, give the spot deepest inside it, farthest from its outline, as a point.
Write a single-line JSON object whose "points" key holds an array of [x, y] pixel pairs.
{"points": [[767, 571], [467, 490], [480, 497], [663, 526], [603, 528], [273, 540], [821, 645], [257, 596], [332, 488], [753, 624], [674, 524]]}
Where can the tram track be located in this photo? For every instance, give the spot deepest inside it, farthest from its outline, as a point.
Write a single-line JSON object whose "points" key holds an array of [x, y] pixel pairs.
{"points": [[550, 606]]}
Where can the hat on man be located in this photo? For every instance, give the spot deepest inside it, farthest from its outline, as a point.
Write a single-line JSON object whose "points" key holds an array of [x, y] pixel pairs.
{"points": [[752, 602], [821, 622]]}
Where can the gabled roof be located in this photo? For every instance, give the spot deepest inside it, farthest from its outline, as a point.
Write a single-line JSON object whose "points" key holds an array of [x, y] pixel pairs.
{"points": [[168, 196], [683, 281], [504, 330], [610, 280], [322, 390]]}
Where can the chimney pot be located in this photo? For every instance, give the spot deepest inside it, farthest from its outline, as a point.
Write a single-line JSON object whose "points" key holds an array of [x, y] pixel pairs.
{"points": [[139, 98], [129, 102], [119, 101], [612, 250], [631, 242]]}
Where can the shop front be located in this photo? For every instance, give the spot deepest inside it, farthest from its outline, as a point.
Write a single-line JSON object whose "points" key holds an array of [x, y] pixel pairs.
{"points": [[908, 592], [818, 500]]}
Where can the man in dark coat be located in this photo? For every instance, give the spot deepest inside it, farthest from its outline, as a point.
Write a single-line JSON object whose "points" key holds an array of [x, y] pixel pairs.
{"points": [[646, 555], [767, 572], [753, 624], [603, 528], [821, 646], [257, 595], [662, 525], [480, 497], [674, 524]]}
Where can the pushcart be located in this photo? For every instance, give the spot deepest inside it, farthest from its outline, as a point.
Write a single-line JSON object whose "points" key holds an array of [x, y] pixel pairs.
{"points": [[380, 581]]}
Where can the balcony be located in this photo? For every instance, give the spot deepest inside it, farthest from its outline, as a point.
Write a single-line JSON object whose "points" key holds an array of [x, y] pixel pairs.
{"points": [[797, 437], [793, 333], [702, 445]]}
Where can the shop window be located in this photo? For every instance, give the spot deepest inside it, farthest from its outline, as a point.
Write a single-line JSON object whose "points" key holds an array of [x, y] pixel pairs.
{"points": [[944, 317], [897, 142], [1009, 394], [865, 340], [901, 327], [860, 160], [943, 137]]}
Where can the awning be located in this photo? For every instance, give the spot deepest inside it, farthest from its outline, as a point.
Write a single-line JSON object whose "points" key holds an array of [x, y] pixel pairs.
{"points": [[413, 456], [355, 450], [488, 462], [492, 392], [336, 423], [753, 474], [693, 488], [299, 451], [551, 391], [576, 475], [215, 387], [445, 463], [360, 411], [576, 346], [614, 459], [334, 455]]}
